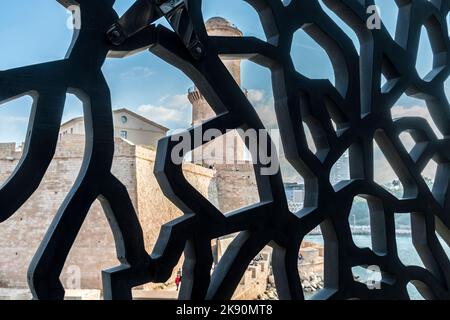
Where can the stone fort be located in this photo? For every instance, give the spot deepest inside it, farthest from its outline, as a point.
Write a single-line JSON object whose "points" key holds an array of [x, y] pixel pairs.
{"points": [[227, 186]]}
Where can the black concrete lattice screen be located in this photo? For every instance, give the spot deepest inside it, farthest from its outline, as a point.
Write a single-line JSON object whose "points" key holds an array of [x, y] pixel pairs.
{"points": [[356, 104]]}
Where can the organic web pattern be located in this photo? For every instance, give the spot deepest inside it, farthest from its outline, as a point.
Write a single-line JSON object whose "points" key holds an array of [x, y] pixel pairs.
{"points": [[359, 108]]}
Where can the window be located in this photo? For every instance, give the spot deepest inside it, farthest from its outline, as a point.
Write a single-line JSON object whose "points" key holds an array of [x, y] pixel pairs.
{"points": [[124, 119], [123, 134]]}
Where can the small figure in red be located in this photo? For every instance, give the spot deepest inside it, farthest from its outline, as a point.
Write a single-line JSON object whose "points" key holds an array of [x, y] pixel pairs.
{"points": [[178, 280]]}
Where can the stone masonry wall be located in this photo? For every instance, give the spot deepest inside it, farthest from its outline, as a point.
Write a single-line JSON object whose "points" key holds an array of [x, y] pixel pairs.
{"points": [[236, 186], [21, 234], [94, 248], [154, 208]]}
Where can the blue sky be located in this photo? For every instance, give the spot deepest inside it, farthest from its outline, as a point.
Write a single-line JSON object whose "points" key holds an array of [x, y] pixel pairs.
{"points": [[34, 31], [141, 82]]}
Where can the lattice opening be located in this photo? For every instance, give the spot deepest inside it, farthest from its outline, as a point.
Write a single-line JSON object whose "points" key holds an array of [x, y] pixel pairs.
{"points": [[122, 6], [359, 220], [447, 88], [429, 174], [261, 97], [338, 119], [310, 263], [330, 256], [14, 118], [448, 21], [372, 276], [92, 252], [304, 50], [41, 40], [258, 282], [383, 80], [384, 174], [341, 170], [424, 63], [413, 293], [130, 79], [423, 290], [360, 274], [342, 25], [406, 251], [226, 183], [294, 187], [388, 12], [257, 81], [444, 244], [231, 11], [316, 136], [309, 138], [407, 140], [95, 239], [408, 106], [19, 246], [368, 225]]}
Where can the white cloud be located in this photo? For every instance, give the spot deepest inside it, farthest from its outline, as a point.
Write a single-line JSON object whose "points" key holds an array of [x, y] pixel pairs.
{"points": [[160, 113], [264, 106], [171, 111], [178, 101], [255, 95], [137, 73]]}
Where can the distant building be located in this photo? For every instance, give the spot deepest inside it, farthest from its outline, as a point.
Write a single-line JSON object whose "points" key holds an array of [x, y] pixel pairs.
{"points": [[295, 192], [295, 195], [127, 125]]}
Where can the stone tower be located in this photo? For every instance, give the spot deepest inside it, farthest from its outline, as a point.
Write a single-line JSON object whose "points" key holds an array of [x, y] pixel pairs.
{"points": [[229, 148]]}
